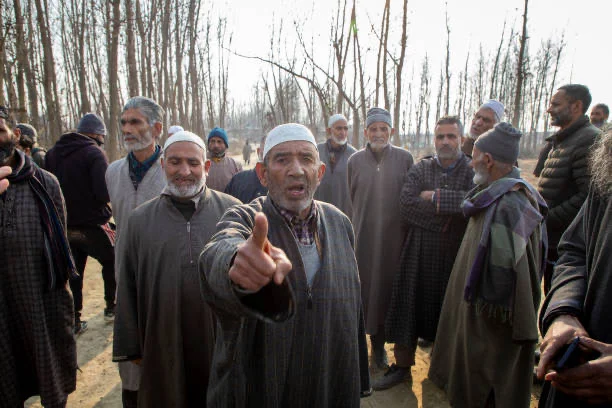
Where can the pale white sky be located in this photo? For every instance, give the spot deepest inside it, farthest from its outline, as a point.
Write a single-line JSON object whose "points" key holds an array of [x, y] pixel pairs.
{"points": [[587, 25]]}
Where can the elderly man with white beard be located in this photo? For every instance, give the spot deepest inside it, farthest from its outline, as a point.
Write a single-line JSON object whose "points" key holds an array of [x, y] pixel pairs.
{"points": [[483, 355], [162, 322]]}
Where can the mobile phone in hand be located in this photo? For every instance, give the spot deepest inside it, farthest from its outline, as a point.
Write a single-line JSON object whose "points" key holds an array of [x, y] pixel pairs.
{"points": [[573, 355]]}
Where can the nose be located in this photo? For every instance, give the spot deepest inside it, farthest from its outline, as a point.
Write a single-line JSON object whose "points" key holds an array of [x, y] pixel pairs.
{"points": [[295, 168]]}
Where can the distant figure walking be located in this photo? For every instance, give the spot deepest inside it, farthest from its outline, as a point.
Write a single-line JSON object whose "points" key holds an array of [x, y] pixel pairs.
{"points": [[246, 153]]}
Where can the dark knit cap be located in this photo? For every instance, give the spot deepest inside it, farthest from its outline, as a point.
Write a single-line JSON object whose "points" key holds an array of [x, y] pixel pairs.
{"points": [[501, 142], [92, 123], [378, 115], [28, 133], [218, 132]]}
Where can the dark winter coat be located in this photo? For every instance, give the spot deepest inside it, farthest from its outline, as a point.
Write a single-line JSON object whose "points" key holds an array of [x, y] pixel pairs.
{"points": [[245, 186], [80, 165], [582, 282], [564, 181], [291, 345]]}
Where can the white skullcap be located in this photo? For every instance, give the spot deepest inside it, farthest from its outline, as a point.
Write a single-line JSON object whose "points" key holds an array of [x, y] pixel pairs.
{"points": [[334, 118], [496, 106], [174, 129], [289, 132], [185, 136]]}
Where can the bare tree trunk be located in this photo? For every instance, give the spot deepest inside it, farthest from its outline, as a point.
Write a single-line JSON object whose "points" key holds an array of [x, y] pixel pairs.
{"points": [[496, 63], [447, 64], [49, 78], [130, 49], [520, 71], [113, 78], [398, 75]]}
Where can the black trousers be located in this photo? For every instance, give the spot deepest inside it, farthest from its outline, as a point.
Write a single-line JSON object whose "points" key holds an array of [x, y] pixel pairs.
{"points": [[92, 241]]}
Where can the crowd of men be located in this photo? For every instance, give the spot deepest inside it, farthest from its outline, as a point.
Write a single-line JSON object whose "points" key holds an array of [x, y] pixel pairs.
{"points": [[260, 287]]}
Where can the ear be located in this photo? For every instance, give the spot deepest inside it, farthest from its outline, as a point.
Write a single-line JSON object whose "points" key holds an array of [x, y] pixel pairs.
{"points": [[392, 131], [206, 166], [328, 131], [157, 129], [261, 171], [321, 172], [488, 160], [163, 163]]}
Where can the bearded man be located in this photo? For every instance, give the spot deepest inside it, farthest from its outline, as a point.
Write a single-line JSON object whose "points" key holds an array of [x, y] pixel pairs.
{"points": [[565, 176], [488, 115], [376, 175], [334, 153], [36, 312], [281, 276], [430, 206], [162, 322], [483, 355], [222, 166], [131, 181], [579, 301]]}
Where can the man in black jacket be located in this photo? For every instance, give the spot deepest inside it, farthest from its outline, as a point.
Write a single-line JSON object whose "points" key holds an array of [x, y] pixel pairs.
{"points": [[79, 163], [565, 176]]}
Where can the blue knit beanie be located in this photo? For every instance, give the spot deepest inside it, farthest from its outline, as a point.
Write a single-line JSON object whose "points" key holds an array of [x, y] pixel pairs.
{"points": [[91, 123], [218, 132]]}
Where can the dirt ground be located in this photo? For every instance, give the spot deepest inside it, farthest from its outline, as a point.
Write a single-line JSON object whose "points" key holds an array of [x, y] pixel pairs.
{"points": [[99, 386]]}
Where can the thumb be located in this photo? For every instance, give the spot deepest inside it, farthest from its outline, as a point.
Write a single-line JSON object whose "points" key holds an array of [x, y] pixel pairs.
{"points": [[260, 231]]}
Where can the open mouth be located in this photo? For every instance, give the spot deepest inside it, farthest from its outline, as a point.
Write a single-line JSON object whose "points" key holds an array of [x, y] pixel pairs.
{"points": [[296, 190]]}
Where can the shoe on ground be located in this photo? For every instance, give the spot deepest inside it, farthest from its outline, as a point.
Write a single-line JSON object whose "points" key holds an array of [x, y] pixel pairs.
{"points": [[380, 358], [109, 313], [422, 343], [80, 326], [395, 375]]}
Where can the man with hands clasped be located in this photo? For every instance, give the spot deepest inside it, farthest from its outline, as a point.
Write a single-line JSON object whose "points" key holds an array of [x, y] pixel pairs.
{"points": [[281, 277], [579, 300]]}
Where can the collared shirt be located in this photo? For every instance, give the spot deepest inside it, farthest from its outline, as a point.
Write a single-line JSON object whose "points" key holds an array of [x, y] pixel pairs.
{"points": [[304, 230], [138, 170]]}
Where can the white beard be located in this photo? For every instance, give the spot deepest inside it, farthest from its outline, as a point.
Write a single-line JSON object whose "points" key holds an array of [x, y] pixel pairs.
{"points": [[339, 142], [187, 191], [480, 179], [146, 141]]}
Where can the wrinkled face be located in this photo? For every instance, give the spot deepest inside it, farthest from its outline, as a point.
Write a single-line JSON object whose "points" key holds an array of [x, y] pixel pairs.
{"points": [[598, 117], [339, 132], [447, 141], [185, 169], [292, 171], [8, 142], [378, 134], [216, 146], [479, 164], [560, 109], [484, 119], [138, 134]]}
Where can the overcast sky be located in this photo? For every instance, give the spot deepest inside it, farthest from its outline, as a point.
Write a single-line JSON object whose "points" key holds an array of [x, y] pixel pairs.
{"points": [[586, 25]]}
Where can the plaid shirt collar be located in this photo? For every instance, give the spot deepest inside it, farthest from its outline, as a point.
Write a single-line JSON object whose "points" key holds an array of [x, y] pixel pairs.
{"points": [[303, 229]]}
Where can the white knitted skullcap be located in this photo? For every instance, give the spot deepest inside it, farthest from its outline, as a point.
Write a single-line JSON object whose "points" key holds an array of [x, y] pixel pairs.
{"points": [[184, 136], [334, 118], [289, 132]]}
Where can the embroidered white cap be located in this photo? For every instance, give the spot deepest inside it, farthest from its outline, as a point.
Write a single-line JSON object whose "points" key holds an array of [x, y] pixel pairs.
{"points": [[289, 132]]}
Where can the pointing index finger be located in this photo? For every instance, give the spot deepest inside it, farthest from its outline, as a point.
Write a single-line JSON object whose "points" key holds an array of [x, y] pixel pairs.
{"points": [[260, 231]]}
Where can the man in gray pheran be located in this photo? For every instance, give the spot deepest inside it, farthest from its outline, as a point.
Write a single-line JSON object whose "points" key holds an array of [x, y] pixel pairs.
{"points": [[281, 276], [376, 175], [162, 322]]}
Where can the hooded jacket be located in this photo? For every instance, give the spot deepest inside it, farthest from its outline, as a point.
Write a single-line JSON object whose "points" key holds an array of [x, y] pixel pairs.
{"points": [[79, 163]]}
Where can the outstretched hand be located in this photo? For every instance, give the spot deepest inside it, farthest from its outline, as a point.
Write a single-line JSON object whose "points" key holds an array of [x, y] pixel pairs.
{"points": [[4, 173], [257, 261]]}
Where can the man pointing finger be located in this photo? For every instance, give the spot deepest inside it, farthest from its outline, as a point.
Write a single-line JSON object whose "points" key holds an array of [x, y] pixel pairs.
{"points": [[290, 317]]}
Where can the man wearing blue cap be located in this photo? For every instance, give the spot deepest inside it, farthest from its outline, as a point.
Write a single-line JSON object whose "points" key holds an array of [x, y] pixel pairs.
{"points": [[79, 163], [222, 167]]}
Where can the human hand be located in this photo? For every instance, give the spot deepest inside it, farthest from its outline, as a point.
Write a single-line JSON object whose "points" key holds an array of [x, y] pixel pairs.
{"points": [[591, 381], [257, 261], [561, 332], [5, 171], [426, 195]]}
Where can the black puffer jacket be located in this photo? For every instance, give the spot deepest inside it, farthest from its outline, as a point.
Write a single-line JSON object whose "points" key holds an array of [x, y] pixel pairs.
{"points": [[564, 181], [80, 164]]}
